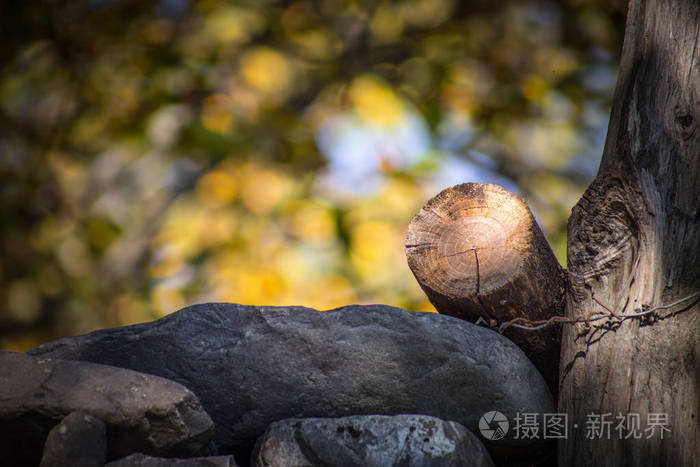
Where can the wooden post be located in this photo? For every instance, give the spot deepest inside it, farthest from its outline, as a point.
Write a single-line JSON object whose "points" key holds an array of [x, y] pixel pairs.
{"points": [[477, 251], [634, 244]]}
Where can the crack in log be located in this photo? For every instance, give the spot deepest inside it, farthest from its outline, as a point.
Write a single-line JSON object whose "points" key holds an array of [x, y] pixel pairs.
{"points": [[476, 258], [418, 245]]}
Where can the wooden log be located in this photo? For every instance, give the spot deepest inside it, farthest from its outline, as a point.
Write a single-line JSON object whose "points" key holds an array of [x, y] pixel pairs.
{"points": [[477, 251]]}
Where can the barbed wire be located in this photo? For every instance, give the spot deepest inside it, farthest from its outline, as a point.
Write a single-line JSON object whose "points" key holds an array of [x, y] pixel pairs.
{"points": [[529, 325]]}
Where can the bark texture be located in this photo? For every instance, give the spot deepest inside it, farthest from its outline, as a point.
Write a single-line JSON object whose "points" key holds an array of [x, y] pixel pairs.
{"points": [[634, 243], [477, 251]]}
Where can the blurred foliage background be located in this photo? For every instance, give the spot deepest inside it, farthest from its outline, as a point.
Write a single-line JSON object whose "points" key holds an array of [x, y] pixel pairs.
{"points": [[155, 154]]}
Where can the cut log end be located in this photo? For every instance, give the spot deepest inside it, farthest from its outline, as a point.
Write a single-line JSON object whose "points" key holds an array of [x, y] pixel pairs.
{"points": [[469, 240]]}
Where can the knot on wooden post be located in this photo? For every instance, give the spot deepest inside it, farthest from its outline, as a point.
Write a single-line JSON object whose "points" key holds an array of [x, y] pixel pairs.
{"points": [[477, 252]]}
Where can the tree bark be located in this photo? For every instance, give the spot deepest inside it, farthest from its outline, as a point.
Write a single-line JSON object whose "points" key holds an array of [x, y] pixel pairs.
{"points": [[477, 251], [634, 243]]}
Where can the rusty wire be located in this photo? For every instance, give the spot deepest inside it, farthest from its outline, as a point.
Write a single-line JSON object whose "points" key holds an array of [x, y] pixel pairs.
{"points": [[528, 325]]}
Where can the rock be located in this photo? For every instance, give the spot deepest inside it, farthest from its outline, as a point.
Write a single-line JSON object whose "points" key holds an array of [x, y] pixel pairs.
{"points": [[140, 460], [369, 440], [78, 441], [251, 366], [142, 412]]}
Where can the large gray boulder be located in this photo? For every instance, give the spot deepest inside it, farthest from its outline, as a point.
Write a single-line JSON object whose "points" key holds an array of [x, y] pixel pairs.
{"points": [[369, 441], [251, 366], [141, 412]]}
